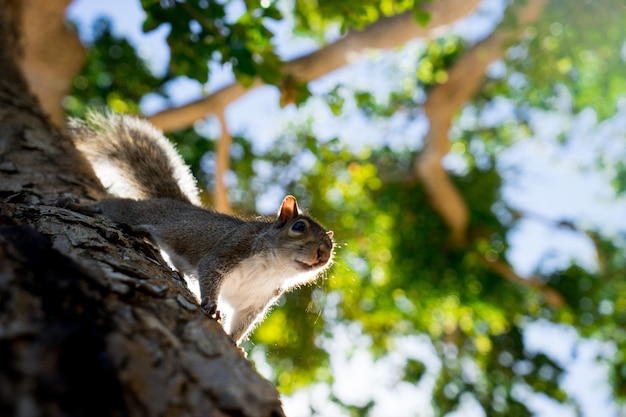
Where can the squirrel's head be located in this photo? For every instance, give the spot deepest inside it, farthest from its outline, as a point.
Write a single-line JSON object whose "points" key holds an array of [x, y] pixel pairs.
{"points": [[311, 246]]}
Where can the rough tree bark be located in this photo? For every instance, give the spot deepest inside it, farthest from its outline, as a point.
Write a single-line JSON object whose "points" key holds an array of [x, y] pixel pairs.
{"points": [[92, 321]]}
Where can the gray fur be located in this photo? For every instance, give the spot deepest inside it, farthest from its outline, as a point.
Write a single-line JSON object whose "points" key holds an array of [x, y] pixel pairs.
{"points": [[136, 151]]}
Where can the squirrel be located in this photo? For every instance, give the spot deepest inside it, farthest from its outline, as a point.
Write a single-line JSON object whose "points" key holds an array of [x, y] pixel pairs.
{"points": [[247, 264]]}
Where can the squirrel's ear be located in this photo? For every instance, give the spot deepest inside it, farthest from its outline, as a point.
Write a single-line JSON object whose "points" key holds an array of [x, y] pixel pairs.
{"points": [[288, 209]]}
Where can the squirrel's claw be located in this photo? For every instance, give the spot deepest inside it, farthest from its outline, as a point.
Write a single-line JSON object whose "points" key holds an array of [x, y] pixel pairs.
{"points": [[210, 309]]}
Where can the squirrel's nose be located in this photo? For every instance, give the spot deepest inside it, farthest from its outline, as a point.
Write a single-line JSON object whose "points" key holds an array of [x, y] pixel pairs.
{"points": [[323, 253]]}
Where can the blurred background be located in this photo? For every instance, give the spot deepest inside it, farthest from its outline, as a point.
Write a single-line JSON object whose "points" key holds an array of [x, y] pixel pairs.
{"points": [[470, 158]]}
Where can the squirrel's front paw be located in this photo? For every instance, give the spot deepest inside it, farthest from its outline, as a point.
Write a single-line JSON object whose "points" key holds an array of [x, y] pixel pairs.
{"points": [[65, 201], [210, 308], [74, 204]]}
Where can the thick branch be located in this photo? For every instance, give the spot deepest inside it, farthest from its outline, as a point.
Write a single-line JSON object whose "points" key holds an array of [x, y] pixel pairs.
{"points": [[53, 54], [9, 39], [444, 100], [385, 33], [552, 296]]}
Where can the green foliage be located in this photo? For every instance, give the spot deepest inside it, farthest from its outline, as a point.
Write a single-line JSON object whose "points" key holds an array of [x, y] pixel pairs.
{"points": [[200, 30], [619, 182], [315, 16], [194, 148], [578, 45], [113, 76], [438, 56], [413, 371]]}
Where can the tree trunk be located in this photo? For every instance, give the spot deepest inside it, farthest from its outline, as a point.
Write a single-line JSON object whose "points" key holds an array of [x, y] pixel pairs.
{"points": [[92, 321]]}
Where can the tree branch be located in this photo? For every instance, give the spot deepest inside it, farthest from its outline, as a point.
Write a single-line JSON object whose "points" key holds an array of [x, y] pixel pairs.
{"points": [[53, 54], [552, 296], [387, 32], [444, 100], [11, 51]]}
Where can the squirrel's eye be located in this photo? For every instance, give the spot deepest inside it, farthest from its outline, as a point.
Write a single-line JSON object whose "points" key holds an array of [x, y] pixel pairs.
{"points": [[299, 227]]}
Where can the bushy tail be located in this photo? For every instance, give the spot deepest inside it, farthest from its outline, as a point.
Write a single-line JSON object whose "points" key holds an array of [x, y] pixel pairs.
{"points": [[132, 158]]}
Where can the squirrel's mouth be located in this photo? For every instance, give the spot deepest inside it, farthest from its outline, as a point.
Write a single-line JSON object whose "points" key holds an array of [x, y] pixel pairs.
{"points": [[317, 259], [310, 266]]}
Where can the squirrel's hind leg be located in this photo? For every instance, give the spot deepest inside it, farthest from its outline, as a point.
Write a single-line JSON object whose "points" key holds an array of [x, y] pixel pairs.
{"points": [[242, 322]]}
